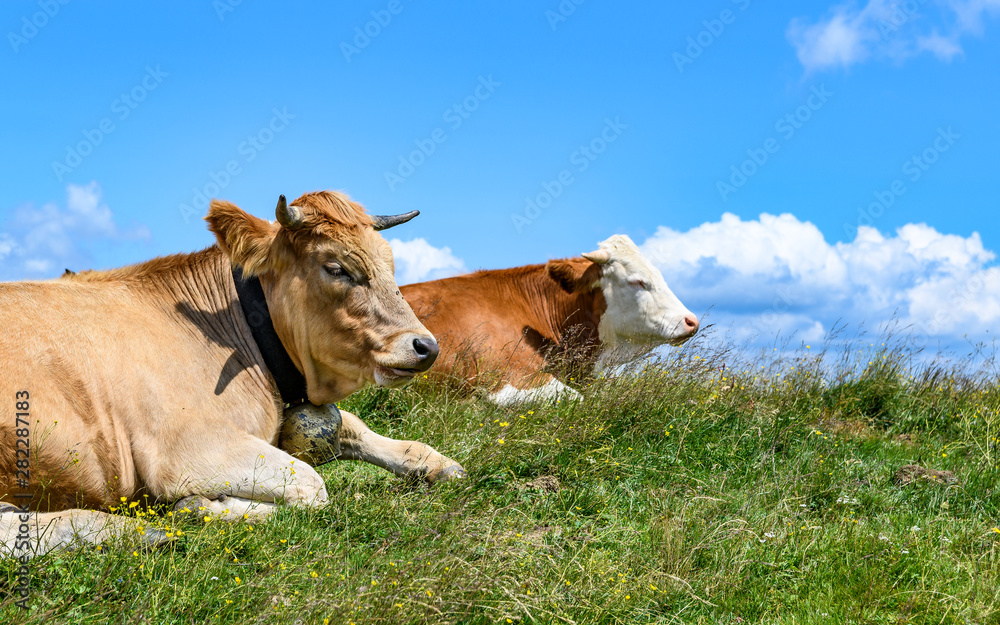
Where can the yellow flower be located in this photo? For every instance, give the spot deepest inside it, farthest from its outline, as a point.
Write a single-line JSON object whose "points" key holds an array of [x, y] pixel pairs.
{"points": [[133, 504], [239, 581], [996, 530], [500, 441]]}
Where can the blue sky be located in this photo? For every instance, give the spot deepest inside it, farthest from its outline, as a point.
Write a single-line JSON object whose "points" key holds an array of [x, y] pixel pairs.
{"points": [[612, 117]]}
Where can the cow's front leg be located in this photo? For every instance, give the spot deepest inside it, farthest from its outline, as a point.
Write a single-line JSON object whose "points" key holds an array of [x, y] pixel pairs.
{"points": [[404, 458], [245, 480], [33, 534]]}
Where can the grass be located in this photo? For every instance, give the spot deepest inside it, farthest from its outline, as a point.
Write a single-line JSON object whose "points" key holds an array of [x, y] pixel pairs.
{"points": [[760, 492]]}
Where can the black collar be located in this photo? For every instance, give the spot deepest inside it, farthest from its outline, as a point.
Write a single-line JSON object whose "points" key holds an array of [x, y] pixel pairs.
{"points": [[291, 382]]}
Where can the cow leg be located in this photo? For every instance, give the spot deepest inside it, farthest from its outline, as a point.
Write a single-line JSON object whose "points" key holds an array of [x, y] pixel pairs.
{"points": [[247, 482], [47, 531], [404, 458], [550, 391], [225, 508]]}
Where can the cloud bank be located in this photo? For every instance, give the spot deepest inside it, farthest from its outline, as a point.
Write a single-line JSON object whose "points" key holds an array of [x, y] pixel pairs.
{"points": [[40, 241], [419, 261], [888, 29], [779, 274]]}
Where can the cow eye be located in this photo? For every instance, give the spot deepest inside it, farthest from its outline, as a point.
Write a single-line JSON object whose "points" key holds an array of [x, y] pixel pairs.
{"points": [[639, 284], [336, 271]]}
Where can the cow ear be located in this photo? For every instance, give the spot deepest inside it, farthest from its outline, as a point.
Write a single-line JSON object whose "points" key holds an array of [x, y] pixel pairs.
{"points": [[574, 276], [245, 239]]}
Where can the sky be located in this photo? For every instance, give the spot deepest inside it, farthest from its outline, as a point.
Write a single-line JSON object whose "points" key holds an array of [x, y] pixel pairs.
{"points": [[786, 165]]}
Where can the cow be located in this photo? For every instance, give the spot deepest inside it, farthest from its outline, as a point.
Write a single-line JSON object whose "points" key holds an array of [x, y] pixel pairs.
{"points": [[503, 327], [167, 380]]}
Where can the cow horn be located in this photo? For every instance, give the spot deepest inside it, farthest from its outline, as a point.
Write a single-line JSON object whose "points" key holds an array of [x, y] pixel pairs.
{"points": [[601, 257], [384, 222], [290, 217]]}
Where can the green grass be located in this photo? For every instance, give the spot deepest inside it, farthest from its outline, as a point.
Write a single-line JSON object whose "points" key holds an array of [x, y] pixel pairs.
{"points": [[757, 494]]}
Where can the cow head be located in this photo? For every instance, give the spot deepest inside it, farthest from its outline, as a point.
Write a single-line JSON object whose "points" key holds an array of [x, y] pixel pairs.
{"points": [[327, 275], [641, 310]]}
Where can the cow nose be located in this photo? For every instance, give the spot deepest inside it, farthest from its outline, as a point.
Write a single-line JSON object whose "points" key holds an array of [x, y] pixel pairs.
{"points": [[427, 351], [691, 324]]}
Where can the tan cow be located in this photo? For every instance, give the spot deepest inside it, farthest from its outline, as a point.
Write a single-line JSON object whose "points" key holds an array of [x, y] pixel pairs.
{"points": [[502, 327], [167, 379]]}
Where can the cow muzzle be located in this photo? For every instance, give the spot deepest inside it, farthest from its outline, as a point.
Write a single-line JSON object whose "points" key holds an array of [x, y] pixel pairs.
{"points": [[417, 355], [686, 328]]}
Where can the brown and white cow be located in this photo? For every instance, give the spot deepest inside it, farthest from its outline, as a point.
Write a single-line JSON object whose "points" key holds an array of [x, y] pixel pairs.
{"points": [[155, 380], [505, 323]]}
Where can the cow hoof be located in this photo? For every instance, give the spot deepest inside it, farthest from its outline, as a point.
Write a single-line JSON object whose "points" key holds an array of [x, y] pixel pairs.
{"points": [[191, 505], [454, 472]]}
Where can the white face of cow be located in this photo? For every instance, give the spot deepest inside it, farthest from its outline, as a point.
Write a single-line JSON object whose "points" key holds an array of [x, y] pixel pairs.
{"points": [[642, 310]]}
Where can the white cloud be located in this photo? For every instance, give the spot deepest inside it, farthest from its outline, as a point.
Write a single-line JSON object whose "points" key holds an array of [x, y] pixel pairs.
{"points": [[40, 241], [889, 30], [418, 261], [778, 273]]}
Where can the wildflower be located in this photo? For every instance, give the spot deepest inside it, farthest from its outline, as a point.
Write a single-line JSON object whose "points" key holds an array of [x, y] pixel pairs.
{"points": [[239, 581], [996, 530], [500, 441]]}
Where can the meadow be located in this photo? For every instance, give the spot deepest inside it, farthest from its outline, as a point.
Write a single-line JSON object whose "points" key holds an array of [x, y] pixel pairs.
{"points": [[707, 487]]}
